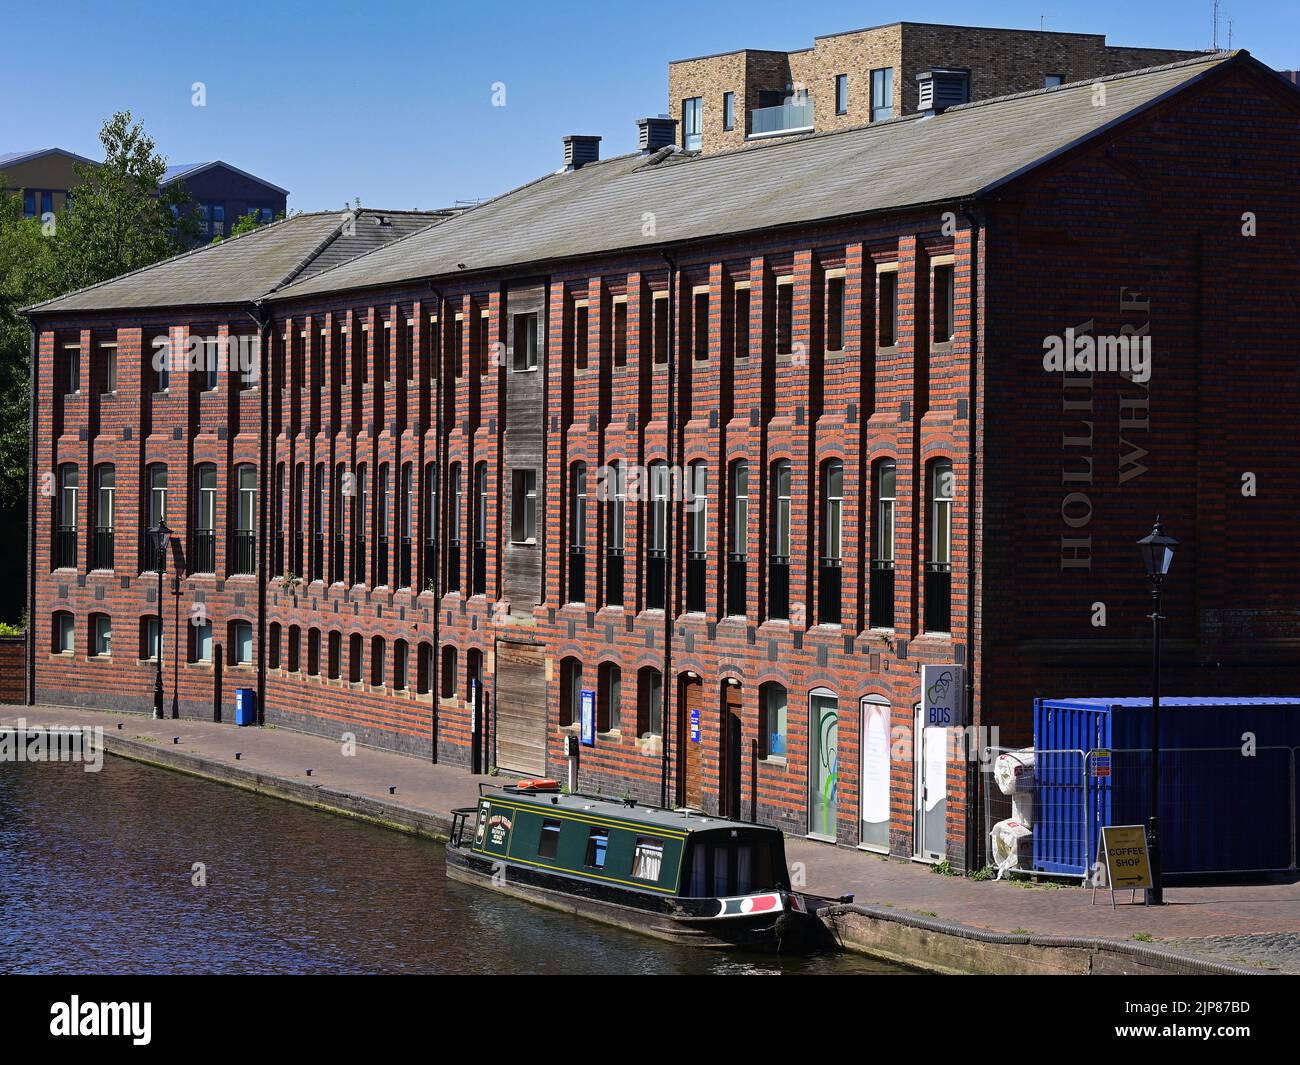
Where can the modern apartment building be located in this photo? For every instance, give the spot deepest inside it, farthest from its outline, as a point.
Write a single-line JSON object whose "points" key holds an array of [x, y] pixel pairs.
{"points": [[872, 75], [44, 177], [691, 464]]}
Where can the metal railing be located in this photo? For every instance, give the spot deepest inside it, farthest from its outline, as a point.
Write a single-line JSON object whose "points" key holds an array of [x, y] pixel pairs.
{"points": [[696, 580], [243, 552], [778, 588], [656, 579], [830, 587], [102, 548], [203, 551], [65, 547], [404, 561], [479, 576], [737, 584], [358, 560], [882, 593], [938, 597], [577, 575], [614, 563]]}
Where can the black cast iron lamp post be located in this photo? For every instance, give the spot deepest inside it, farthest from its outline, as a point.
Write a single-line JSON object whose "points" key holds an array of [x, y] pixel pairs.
{"points": [[1157, 554], [158, 537]]}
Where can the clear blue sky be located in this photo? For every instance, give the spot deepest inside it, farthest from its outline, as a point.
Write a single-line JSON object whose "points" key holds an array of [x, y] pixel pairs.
{"points": [[392, 101]]}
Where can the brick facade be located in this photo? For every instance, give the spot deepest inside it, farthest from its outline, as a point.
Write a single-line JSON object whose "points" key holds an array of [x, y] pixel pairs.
{"points": [[1080, 240], [1000, 62]]}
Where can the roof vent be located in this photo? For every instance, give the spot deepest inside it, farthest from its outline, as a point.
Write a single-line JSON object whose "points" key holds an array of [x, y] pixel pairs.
{"points": [[580, 150], [655, 133], [382, 220], [942, 88]]}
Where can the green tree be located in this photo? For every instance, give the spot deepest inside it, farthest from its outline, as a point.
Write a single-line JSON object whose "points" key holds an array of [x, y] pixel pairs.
{"points": [[246, 223], [119, 219]]}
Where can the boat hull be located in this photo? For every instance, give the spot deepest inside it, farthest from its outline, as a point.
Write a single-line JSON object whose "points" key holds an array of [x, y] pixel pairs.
{"points": [[682, 921]]}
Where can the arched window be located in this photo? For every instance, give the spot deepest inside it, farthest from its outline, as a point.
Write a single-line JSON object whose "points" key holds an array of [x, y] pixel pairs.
{"points": [[614, 488], [649, 702], [656, 582], [431, 523], [401, 666], [63, 633], [239, 643], [738, 540], [447, 687], [938, 566], [405, 525], [295, 634], [697, 535], [105, 514], [65, 537], [424, 669], [244, 551], [570, 691], [203, 538], [338, 534], [360, 516], [297, 535], [334, 659], [831, 560], [273, 637], [885, 483], [101, 635], [480, 528], [609, 698], [453, 527], [150, 638], [578, 532], [773, 700], [277, 519], [778, 560], [383, 515], [377, 661], [313, 652], [355, 649]]}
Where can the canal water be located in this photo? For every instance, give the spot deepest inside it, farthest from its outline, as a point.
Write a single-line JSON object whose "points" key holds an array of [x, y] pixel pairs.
{"points": [[98, 874]]}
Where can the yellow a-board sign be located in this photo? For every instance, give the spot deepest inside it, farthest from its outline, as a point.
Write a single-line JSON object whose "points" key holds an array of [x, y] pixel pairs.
{"points": [[1125, 858]]}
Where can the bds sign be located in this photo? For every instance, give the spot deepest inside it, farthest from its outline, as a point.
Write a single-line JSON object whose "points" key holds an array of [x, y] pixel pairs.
{"points": [[943, 696]]}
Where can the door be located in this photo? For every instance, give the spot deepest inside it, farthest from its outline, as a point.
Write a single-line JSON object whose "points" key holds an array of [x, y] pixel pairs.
{"points": [[730, 762], [474, 671], [930, 776], [521, 707], [875, 773], [823, 763], [690, 742]]}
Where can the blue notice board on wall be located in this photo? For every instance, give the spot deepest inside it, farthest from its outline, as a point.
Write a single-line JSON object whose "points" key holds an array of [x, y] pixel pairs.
{"points": [[695, 724], [587, 710]]}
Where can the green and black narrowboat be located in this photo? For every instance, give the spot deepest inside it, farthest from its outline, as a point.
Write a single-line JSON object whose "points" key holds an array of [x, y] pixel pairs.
{"points": [[676, 875]]}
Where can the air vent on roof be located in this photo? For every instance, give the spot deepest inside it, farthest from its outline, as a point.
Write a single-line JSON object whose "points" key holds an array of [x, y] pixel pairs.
{"points": [[656, 133], [942, 88], [580, 150], [381, 220]]}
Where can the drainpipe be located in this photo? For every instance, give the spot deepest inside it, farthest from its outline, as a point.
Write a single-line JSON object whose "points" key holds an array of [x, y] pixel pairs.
{"points": [[33, 364], [261, 314], [434, 533], [974, 777], [668, 690]]}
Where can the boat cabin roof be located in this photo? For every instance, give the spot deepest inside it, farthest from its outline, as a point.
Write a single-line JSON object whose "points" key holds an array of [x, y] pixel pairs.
{"points": [[677, 821]]}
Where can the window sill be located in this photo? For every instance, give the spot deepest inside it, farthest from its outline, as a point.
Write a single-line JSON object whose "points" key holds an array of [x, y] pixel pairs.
{"points": [[524, 543], [775, 760]]}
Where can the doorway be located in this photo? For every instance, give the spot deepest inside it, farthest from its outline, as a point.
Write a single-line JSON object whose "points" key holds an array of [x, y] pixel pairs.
{"points": [[823, 763], [874, 815], [731, 750], [690, 742], [930, 790]]}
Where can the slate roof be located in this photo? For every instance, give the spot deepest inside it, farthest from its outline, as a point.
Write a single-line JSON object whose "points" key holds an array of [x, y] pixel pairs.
{"points": [[910, 161], [22, 157], [245, 268], [182, 170]]}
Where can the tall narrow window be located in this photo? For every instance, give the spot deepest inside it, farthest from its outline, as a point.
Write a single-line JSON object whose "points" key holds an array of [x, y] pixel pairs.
{"points": [[316, 545], [882, 94], [360, 518], [841, 94], [943, 303], [938, 568], [431, 527], [400, 667], [615, 492], [697, 536], [356, 649], [659, 327], [382, 517], [620, 332], [882, 553], [241, 643], [740, 323], [277, 519], [832, 546], [570, 692], [480, 529], [297, 535], [784, 315], [693, 123], [203, 539], [649, 702], [405, 525], [72, 368], [101, 635], [656, 583], [160, 360], [835, 312], [105, 511], [700, 325], [581, 335], [523, 506], [609, 698], [738, 537], [772, 705], [65, 538], [483, 341], [108, 367], [525, 353], [578, 533], [151, 638], [245, 546], [378, 662], [454, 519], [64, 636], [887, 305], [155, 512], [338, 534], [728, 111], [447, 684], [778, 560]]}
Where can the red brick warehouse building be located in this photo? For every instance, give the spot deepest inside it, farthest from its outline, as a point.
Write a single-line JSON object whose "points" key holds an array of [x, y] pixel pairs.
{"points": [[736, 443]]}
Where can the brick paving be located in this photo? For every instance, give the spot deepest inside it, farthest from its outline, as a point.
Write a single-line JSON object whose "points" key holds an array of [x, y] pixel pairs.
{"points": [[1254, 924]]}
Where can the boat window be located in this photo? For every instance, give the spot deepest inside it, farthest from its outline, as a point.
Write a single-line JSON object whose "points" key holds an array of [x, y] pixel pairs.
{"points": [[647, 858], [549, 846], [597, 844]]}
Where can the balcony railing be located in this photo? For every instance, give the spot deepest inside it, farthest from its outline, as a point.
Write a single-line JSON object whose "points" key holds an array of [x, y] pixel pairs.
{"points": [[696, 580], [244, 552], [480, 568], [430, 562], [102, 548], [381, 561], [778, 588], [317, 559], [577, 575], [203, 551], [830, 582], [882, 593], [794, 114], [453, 566], [614, 577], [65, 547], [358, 560], [737, 584], [656, 579], [339, 560], [938, 597], [404, 562], [278, 539], [298, 552]]}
